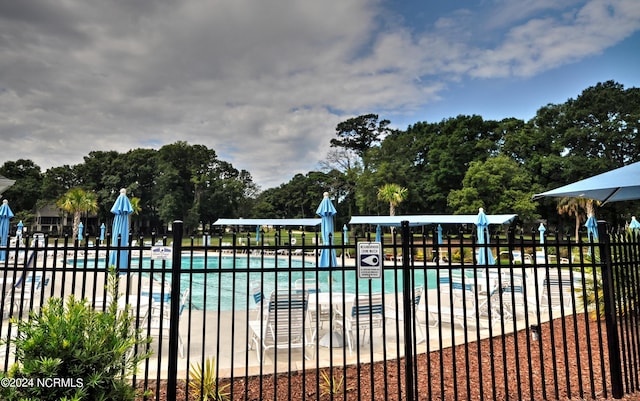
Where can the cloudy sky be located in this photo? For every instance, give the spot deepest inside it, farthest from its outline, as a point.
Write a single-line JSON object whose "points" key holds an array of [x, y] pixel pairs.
{"points": [[265, 82]]}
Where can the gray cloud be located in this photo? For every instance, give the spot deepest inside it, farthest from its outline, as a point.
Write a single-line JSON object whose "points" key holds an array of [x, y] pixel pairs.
{"points": [[264, 83]]}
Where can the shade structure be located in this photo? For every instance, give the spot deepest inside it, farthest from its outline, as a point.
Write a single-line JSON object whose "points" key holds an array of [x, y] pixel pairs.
{"points": [[5, 216], [267, 222], [616, 185], [326, 211], [102, 230], [378, 233], [5, 183], [541, 230], [427, 219], [485, 256], [80, 231], [120, 231]]}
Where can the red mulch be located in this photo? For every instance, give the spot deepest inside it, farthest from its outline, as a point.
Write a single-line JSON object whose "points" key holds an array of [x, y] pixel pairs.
{"points": [[556, 368]]}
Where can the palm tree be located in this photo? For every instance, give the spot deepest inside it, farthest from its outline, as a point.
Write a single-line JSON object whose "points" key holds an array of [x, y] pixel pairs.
{"points": [[394, 194], [77, 201], [135, 205], [574, 207]]}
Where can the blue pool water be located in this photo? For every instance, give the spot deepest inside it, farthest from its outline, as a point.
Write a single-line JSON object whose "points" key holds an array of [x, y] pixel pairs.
{"points": [[223, 286]]}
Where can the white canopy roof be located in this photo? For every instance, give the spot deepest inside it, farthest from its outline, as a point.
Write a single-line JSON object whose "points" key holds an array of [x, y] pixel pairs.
{"points": [[5, 183], [267, 222], [421, 220]]}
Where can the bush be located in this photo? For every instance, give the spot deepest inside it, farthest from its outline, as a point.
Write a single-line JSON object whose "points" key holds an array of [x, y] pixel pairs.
{"points": [[204, 382], [90, 354]]}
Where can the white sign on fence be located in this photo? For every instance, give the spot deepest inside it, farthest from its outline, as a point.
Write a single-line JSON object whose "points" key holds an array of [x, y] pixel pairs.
{"points": [[369, 260], [161, 252]]}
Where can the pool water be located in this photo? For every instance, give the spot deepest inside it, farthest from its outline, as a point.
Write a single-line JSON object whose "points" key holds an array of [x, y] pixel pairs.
{"points": [[218, 281]]}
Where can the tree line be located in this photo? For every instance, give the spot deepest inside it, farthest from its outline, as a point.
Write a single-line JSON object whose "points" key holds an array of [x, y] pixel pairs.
{"points": [[453, 166]]}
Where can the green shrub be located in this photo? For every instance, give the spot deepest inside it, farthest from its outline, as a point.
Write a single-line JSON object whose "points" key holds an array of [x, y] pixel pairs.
{"points": [[90, 354]]}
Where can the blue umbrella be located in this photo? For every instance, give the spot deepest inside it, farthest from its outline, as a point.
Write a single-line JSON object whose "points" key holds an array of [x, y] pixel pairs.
{"points": [[80, 229], [257, 234], [345, 235], [102, 229], [5, 215], [615, 185], [485, 257], [439, 234], [121, 209], [378, 233], [592, 228], [634, 225], [326, 211], [541, 229], [19, 229]]}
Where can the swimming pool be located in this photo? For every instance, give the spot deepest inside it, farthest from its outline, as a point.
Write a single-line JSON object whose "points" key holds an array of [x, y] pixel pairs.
{"points": [[225, 282]]}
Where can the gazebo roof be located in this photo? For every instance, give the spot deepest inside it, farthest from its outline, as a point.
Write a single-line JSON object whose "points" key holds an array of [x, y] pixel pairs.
{"points": [[423, 220], [267, 222]]}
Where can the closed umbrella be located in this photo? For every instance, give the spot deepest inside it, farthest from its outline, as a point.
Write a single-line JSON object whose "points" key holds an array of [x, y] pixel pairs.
{"points": [[345, 235], [19, 229], [541, 229], [102, 230], [326, 211], [80, 230], [5, 215], [120, 231], [592, 228], [439, 234], [485, 257], [378, 233], [257, 234]]}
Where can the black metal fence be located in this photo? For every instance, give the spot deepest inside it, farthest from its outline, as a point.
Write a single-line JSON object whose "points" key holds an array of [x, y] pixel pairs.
{"points": [[549, 320]]}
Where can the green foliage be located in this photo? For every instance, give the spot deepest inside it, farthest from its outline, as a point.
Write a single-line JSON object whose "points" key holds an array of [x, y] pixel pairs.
{"points": [[593, 295], [95, 352], [431, 160], [24, 193], [77, 201], [393, 194], [499, 183], [204, 382], [361, 133]]}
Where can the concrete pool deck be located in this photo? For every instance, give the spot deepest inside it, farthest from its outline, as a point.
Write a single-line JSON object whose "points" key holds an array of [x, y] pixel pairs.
{"points": [[224, 335]]}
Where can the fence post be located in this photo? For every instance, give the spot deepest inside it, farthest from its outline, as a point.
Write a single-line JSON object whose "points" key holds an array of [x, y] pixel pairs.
{"points": [[176, 261], [408, 310], [608, 293]]}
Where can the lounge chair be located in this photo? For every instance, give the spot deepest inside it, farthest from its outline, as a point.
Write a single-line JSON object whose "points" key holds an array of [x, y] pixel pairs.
{"points": [[458, 303], [259, 300], [392, 313], [284, 327], [559, 290], [159, 320], [318, 314], [24, 291], [513, 299], [365, 315]]}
